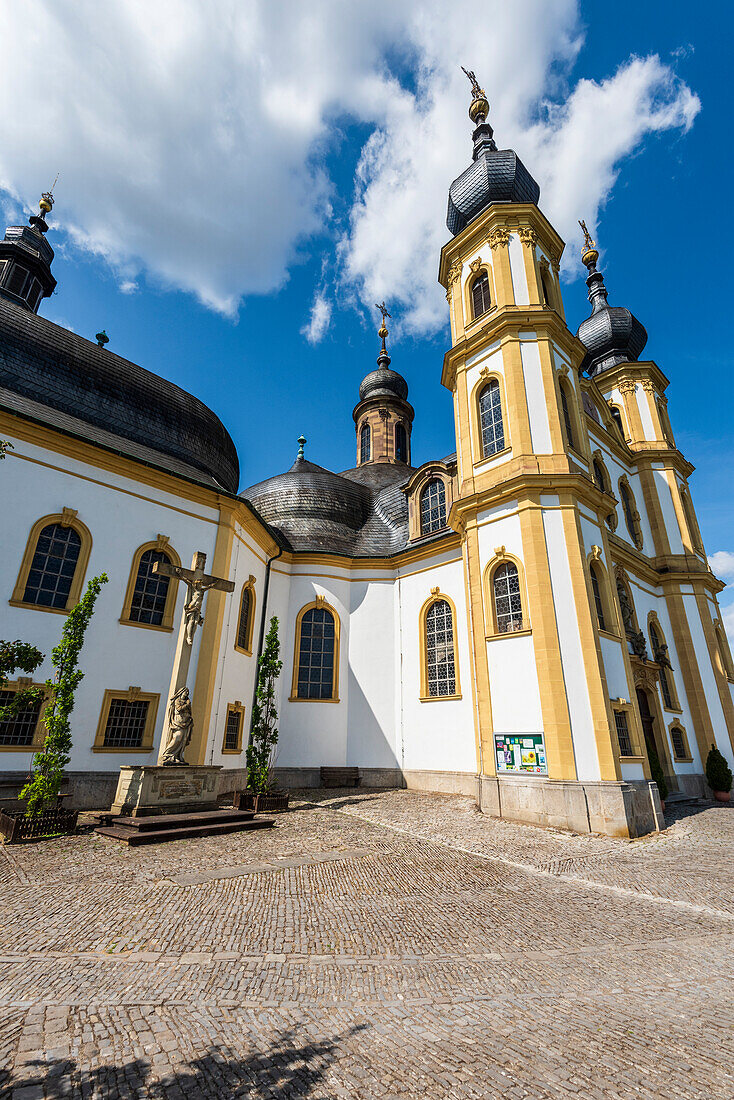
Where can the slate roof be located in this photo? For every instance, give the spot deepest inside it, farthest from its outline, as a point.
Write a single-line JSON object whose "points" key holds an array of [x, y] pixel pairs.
{"points": [[496, 175], [91, 392]]}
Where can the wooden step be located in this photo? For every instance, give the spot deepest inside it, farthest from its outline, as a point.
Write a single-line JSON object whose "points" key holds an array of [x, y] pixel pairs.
{"points": [[134, 837], [173, 821]]}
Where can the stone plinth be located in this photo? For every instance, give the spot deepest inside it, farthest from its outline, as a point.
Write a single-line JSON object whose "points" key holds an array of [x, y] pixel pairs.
{"points": [[153, 789]]}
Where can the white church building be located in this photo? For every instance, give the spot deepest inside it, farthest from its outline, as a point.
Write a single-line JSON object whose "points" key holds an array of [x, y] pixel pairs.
{"points": [[530, 620]]}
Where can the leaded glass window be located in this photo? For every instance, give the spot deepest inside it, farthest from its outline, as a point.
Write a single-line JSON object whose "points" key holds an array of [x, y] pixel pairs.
{"points": [[623, 733], [433, 507], [507, 602], [364, 443], [316, 655], [18, 730], [440, 666], [243, 627], [125, 725], [232, 741], [568, 424], [151, 590], [601, 481], [480, 295], [617, 418], [596, 589], [53, 566], [679, 743], [401, 443], [490, 419]]}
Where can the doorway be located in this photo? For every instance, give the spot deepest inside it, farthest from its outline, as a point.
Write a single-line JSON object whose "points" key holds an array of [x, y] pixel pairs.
{"points": [[655, 752]]}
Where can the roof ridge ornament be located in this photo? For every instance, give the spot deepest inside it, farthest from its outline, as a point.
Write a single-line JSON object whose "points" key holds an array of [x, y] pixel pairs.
{"points": [[302, 441], [383, 359], [589, 254]]}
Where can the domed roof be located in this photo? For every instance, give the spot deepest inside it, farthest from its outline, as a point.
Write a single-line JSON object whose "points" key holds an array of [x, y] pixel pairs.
{"points": [[383, 382], [612, 334]]}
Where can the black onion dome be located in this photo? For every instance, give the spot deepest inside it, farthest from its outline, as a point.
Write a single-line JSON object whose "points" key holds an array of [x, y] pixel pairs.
{"points": [[70, 383], [612, 334], [497, 175], [383, 382]]}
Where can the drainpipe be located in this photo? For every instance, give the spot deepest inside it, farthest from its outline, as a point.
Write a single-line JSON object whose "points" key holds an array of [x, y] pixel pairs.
{"points": [[261, 639]]}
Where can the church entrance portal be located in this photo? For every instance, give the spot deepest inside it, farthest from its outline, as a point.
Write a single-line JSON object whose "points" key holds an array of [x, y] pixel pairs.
{"points": [[655, 752]]}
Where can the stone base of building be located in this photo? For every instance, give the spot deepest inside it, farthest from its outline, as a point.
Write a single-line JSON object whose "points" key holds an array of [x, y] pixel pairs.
{"points": [[152, 789], [628, 809], [442, 782], [290, 778]]}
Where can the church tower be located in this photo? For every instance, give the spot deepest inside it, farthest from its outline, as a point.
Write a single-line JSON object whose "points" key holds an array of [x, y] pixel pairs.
{"points": [[25, 260], [383, 418]]}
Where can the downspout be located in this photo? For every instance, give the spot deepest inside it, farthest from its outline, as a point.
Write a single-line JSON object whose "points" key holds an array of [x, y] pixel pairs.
{"points": [[261, 638]]}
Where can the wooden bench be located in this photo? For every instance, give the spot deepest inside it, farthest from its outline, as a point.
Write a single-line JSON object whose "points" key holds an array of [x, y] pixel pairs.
{"points": [[10, 792], [340, 777]]}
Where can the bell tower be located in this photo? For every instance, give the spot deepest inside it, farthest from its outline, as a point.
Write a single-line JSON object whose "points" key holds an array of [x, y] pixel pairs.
{"points": [[25, 260], [383, 418]]}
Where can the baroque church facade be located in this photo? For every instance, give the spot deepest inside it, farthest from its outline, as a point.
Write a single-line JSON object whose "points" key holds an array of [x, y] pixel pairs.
{"points": [[530, 620]]}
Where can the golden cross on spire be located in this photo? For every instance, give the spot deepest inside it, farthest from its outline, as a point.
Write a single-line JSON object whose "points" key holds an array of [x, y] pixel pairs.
{"points": [[477, 92], [588, 242]]}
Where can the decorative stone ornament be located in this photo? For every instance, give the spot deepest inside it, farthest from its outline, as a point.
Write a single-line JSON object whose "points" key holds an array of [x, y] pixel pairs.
{"points": [[499, 238], [527, 235], [68, 515]]}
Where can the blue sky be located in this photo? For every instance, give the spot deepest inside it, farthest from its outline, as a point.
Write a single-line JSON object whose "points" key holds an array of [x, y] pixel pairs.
{"points": [[202, 262]]}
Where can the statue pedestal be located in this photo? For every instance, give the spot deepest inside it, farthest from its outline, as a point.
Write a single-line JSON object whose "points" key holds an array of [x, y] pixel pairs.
{"points": [[152, 789]]}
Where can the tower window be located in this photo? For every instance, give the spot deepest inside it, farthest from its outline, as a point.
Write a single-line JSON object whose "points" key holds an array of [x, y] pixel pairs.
{"points": [[401, 443], [34, 294], [623, 733], [17, 280], [507, 601], [151, 590], [480, 298], [433, 507], [316, 655], [364, 443], [440, 659], [546, 289], [52, 569], [598, 602], [490, 419], [566, 410], [600, 480], [617, 418], [3, 265]]}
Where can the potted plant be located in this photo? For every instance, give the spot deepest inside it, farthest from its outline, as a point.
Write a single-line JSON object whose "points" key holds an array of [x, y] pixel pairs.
{"points": [[718, 775], [261, 748]]}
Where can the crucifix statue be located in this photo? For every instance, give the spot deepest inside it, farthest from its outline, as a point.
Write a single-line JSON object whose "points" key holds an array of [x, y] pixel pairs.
{"points": [[179, 722]]}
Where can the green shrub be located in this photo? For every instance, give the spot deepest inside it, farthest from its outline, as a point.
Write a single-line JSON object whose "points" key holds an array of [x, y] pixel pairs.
{"points": [[657, 773], [718, 772], [263, 731], [14, 656]]}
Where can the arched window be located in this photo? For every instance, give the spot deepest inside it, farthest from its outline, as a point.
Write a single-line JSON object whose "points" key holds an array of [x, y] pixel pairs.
{"points": [[440, 659], [433, 507], [693, 530], [596, 588], [679, 741], [665, 421], [317, 656], [722, 646], [617, 418], [630, 513], [507, 601], [246, 620], [401, 443], [599, 478], [53, 567], [566, 410], [659, 653], [490, 419], [545, 287], [148, 604], [480, 298], [364, 443]]}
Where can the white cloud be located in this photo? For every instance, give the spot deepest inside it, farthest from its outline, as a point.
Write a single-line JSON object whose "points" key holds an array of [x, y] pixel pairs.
{"points": [[319, 319], [722, 564], [190, 138]]}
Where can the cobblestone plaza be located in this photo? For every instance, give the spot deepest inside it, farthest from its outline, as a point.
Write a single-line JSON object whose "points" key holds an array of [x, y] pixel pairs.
{"points": [[373, 945]]}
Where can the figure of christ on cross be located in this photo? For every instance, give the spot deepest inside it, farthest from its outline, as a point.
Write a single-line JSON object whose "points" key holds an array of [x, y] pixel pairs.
{"points": [[198, 583]]}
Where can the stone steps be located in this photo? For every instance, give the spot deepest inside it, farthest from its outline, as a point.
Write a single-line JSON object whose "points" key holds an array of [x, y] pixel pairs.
{"points": [[158, 828]]}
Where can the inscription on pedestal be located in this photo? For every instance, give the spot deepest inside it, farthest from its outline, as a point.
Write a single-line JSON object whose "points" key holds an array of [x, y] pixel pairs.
{"points": [[180, 788]]}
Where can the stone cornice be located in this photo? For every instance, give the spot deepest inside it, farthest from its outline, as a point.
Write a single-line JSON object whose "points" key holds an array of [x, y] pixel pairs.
{"points": [[509, 216]]}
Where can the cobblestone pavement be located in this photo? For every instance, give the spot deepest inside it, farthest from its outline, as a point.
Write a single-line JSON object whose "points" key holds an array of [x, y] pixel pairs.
{"points": [[372, 945]]}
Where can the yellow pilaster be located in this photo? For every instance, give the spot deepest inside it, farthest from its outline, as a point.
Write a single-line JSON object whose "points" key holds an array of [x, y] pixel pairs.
{"points": [[628, 390], [483, 699]]}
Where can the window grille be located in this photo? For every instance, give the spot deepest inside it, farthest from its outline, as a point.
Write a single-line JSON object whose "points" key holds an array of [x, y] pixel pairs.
{"points": [[125, 725], [567, 415], [490, 419], [433, 507], [53, 566], [440, 667], [480, 295], [17, 280], [243, 627], [151, 590], [20, 728], [316, 656], [596, 589], [232, 740], [623, 733], [364, 443], [601, 481], [401, 443], [507, 602], [679, 743]]}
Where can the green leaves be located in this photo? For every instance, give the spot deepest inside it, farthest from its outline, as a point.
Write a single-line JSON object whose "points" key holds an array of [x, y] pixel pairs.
{"points": [[263, 731], [49, 763], [718, 772], [23, 656]]}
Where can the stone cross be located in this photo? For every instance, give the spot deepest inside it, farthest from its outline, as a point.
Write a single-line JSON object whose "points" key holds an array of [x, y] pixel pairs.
{"points": [[198, 583]]}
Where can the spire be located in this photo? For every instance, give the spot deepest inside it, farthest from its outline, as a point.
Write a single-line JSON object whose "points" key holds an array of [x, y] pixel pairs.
{"points": [[45, 205], [383, 359], [595, 280], [301, 456], [483, 135], [26, 258]]}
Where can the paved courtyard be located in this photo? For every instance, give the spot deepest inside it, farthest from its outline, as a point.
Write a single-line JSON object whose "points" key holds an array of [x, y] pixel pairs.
{"points": [[373, 945]]}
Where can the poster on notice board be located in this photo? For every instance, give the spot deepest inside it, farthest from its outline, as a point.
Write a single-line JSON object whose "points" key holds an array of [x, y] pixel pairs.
{"points": [[520, 752]]}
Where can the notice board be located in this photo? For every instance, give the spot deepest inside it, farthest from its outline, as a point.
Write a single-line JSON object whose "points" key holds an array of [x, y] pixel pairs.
{"points": [[520, 752]]}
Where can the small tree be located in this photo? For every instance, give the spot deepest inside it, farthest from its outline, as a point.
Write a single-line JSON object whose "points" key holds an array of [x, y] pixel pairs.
{"points": [[263, 731], [23, 656], [657, 773], [718, 772], [49, 763]]}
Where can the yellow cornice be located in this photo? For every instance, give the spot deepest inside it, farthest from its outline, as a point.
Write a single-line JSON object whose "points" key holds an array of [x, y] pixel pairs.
{"points": [[450, 541], [525, 483], [508, 215], [637, 371]]}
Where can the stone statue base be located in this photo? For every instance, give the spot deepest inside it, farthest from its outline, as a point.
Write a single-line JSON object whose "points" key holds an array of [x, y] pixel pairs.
{"points": [[166, 789]]}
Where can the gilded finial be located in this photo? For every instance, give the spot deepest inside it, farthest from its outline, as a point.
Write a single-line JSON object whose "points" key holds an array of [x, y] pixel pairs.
{"points": [[479, 108], [301, 444], [382, 330], [589, 254], [47, 198]]}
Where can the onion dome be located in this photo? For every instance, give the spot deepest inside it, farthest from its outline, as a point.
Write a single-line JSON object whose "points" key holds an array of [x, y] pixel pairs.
{"points": [[612, 334], [25, 260], [496, 175]]}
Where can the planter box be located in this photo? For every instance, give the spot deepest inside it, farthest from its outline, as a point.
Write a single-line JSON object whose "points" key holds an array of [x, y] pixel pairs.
{"points": [[16, 827], [274, 802]]}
